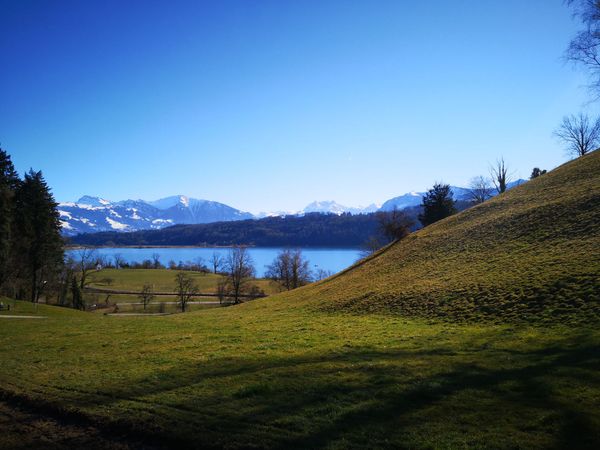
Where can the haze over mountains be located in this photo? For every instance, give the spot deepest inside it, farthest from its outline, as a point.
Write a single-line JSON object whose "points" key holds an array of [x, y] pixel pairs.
{"points": [[92, 214]]}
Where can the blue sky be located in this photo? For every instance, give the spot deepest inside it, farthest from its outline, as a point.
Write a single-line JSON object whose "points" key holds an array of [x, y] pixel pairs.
{"points": [[269, 105]]}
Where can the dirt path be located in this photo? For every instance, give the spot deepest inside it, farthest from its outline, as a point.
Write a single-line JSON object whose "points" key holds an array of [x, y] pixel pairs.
{"points": [[138, 314], [12, 316], [174, 303]]}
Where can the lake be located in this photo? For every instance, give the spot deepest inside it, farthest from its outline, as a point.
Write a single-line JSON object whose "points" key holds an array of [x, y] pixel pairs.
{"points": [[330, 259]]}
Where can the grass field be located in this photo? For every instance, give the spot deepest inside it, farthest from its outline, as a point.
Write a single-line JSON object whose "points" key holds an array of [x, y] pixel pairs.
{"points": [[267, 374], [162, 280], [479, 331]]}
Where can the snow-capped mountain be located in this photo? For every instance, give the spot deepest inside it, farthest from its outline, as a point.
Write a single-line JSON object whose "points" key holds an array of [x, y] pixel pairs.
{"points": [[332, 207], [92, 214], [403, 201]]}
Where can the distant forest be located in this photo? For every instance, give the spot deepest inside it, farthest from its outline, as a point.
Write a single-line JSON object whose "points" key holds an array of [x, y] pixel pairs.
{"points": [[310, 230]]}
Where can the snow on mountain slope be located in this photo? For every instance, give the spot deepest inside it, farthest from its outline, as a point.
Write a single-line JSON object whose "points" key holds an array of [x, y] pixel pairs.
{"points": [[332, 207], [92, 214]]}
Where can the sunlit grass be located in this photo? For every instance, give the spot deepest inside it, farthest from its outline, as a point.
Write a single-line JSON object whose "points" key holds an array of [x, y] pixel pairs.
{"points": [[479, 331]]}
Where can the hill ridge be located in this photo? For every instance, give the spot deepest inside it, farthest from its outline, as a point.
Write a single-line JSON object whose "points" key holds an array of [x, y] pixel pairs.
{"points": [[525, 255]]}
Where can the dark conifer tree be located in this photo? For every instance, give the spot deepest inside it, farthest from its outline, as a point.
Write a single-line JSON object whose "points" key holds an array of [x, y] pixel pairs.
{"points": [[9, 182], [536, 172], [39, 246], [437, 204]]}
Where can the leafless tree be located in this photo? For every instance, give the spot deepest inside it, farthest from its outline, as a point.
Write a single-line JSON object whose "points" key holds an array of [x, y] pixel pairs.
{"points": [[500, 175], [156, 261], [199, 264], [321, 274], [290, 269], [370, 246], [216, 260], [118, 260], [186, 288], [579, 134], [223, 290], [394, 225], [480, 189], [146, 295], [85, 261], [584, 48], [240, 270]]}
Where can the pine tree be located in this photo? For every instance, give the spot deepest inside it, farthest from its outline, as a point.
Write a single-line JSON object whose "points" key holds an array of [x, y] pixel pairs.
{"points": [[9, 182], [437, 204], [39, 246]]}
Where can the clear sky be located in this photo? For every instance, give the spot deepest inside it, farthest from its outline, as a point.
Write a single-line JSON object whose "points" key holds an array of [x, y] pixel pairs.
{"points": [[269, 105]]}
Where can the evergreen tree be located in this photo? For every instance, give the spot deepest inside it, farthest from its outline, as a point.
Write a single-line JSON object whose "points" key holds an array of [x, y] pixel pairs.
{"points": [[437, 204], [39, 246], [536, 172], [9, 182]]}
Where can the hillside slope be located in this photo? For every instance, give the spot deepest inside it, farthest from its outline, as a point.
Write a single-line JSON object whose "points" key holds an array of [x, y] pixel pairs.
{"points": [[531, 253], [311, 369]]}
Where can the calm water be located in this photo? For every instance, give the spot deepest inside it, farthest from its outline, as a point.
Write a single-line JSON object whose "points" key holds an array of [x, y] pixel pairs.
{"points": [[332, 259]]}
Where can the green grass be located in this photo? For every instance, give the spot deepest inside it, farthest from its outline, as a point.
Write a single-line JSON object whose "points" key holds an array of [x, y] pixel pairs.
{"points": [[479, 331], [303, 378], [162, 280]]}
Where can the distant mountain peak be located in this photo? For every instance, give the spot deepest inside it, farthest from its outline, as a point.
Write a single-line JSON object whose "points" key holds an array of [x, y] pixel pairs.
{"points": [[93, 214], [333, 207], [169, 202], [93, 201]]}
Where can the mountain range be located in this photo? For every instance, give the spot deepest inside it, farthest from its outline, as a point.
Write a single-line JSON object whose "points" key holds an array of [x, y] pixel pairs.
{"points": [[92, 214]]}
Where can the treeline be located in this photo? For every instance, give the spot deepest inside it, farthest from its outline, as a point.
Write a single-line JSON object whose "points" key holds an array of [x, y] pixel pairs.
{"points": [[311, 230], [31, 247]]}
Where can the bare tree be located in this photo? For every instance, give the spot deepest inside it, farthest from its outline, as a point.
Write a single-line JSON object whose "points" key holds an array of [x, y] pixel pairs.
{"points": [[480, 189], [370, 246], [584, 48], [394, 225], [240, 270], [118, 260], [86, 260], [391, 226], [199, 264], [216, 260], [156, 261], [500, 175], [147, 295], [186, 288], [579, 134], [223, 290], [290, 269], [321, 274]]}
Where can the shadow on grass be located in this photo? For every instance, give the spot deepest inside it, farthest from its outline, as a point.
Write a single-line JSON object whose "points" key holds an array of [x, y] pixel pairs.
{"points": [[361, 397]]}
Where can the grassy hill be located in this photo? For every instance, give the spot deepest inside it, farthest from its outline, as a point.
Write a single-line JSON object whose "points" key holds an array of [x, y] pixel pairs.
{"points": [[400, 351], [532, 253]]}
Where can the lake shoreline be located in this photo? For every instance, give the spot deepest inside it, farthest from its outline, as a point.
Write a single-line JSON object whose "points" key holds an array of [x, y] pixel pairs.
{"points": [[328, 259], [316, 247]]}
